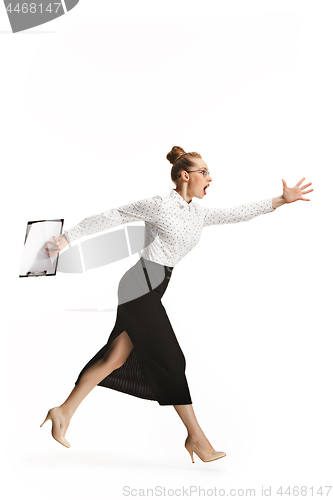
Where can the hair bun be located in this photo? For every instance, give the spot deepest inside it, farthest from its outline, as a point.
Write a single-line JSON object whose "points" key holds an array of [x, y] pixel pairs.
{"points": [[174, 154]]}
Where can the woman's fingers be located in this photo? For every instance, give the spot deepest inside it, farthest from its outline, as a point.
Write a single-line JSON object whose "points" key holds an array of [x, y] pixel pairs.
{"points": [[51, 246], [54, 253], [54, 246], [300, 182], [306, 185], [53, 242]]}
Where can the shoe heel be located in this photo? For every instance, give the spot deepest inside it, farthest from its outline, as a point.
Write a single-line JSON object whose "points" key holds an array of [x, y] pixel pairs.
{"points": [[47, 418], [190, 451]]}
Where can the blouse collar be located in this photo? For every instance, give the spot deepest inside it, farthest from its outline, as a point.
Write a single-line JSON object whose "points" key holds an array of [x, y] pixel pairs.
{"points": [[180, 199]]}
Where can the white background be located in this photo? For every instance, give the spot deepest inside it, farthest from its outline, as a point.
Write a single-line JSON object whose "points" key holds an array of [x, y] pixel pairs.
{"points": [[91, 103]]}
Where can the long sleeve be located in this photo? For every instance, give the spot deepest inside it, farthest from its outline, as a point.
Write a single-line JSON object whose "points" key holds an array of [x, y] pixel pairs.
{"points": [[238, 213], [143, 210]]}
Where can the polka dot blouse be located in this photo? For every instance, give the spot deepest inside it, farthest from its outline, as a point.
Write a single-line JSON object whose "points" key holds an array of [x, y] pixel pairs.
{"points": [[172, 225]]}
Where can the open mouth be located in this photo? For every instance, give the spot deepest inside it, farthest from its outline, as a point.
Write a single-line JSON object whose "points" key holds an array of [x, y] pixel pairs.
{"points": [[204, 189]]}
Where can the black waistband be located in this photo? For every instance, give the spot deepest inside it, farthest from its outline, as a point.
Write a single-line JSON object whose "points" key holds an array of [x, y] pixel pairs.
{"points": [[146, 260]]}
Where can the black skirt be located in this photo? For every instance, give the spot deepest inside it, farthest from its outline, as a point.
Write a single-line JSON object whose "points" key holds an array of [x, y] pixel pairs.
{"points": [[155, 368]]}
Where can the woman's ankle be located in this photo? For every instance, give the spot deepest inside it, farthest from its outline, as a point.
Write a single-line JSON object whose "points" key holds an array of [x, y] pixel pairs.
{"points": [[196, 435], [200, 439], [66, 412]]}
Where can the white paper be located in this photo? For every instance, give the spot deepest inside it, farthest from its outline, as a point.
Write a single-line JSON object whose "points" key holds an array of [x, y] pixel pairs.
{"points": [[34, 257]]}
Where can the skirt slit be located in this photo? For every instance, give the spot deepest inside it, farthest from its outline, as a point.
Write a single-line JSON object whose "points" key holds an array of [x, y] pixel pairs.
{"points": [[155, 367]]}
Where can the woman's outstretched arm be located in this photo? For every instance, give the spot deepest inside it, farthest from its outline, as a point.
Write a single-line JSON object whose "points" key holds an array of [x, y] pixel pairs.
{"points": [[248, 211]]}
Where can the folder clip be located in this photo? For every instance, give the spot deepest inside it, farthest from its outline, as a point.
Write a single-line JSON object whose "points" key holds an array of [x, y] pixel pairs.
{"points": [[36, 273]]}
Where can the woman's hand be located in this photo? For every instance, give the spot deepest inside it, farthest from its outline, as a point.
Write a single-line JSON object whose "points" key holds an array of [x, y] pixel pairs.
{"points": [[293, 194], [56, 245]]}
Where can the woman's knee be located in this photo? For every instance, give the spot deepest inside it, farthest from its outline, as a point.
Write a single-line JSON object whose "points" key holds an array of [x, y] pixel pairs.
{"points": [[118, 352]]}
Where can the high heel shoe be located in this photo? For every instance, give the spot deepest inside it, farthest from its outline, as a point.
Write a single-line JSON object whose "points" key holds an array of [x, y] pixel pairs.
{"points": [[54, 416], [205, 457]]}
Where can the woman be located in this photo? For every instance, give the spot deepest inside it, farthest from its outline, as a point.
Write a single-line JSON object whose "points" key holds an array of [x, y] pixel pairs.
{"points": [[142, 356]]}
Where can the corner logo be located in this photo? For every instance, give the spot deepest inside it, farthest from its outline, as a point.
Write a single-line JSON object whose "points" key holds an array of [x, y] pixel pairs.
{"points": [[25, 15]]}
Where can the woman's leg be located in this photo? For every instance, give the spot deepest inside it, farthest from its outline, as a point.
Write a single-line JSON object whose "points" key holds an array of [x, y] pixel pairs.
{"points": [[116, 356], [194, 430]]}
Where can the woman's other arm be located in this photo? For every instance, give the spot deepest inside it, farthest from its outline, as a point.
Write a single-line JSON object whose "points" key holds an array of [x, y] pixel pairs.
{"points": [[143, 210]]}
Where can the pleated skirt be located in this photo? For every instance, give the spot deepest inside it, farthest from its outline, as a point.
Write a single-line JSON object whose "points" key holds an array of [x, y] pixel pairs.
{"points": [[155, 367]]}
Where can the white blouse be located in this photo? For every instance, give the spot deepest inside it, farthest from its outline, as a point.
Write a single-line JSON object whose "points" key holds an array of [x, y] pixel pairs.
{"points": [[172, 226]]}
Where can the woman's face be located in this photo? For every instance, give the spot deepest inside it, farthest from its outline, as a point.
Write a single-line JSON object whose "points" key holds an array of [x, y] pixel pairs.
{"points": [[198, 183]]}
